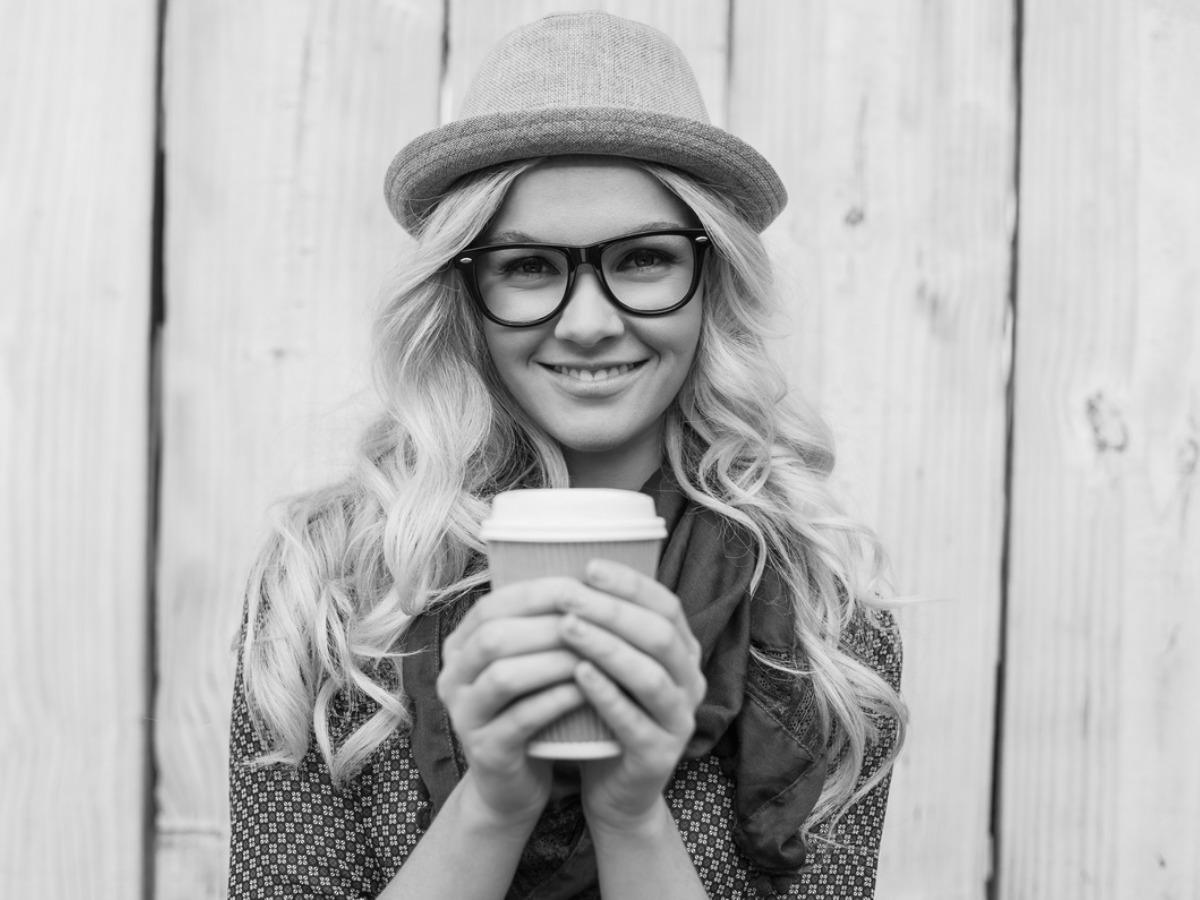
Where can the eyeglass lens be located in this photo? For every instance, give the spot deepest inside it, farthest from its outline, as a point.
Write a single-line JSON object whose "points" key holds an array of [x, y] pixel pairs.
{"points": [[646, 273]]}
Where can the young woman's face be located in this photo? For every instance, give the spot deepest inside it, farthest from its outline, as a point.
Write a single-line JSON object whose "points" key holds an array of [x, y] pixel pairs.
{"points": [[596, 379]]}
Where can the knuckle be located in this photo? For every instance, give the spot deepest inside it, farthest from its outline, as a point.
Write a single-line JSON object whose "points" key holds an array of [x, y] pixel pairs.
{"points": [[662, 685], [660, 640], [606, 653], [670, 600], [489, 640], [499, 679], [687, 723], [478, 748], [528, 713]]}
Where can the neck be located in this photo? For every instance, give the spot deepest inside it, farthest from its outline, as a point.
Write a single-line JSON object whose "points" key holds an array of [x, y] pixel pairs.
{"points": [[627, 470]]}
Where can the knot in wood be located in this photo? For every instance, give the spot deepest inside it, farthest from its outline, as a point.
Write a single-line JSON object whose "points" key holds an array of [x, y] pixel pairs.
{"points": [[1109, 431]]}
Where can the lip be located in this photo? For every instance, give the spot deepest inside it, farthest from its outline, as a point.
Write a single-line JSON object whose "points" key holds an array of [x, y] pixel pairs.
{"points": [[593, 379]]}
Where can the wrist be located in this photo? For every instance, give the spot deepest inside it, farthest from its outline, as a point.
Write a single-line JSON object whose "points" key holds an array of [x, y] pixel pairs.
{"points": [[516, 823], [635, 825], [644, 856]]}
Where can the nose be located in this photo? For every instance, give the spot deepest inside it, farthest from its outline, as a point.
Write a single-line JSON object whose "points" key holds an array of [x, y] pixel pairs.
{"points": [[589, 316]]}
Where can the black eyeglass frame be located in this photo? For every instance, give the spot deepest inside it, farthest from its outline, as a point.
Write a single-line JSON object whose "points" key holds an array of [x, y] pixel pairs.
{"points": [[577, 256]]}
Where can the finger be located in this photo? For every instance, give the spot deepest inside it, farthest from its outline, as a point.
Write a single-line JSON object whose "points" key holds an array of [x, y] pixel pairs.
{"points": [[500, 638], [507, 681], [536, 596], [632, 726], [668, 700], [669, 641], [628, 583], [642, 591], [512, 729]]}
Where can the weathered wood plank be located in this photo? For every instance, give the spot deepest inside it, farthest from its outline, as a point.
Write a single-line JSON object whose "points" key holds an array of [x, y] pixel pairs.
{"points": [[76, 173], [281, 120], [893, 126], [1101, 797]]}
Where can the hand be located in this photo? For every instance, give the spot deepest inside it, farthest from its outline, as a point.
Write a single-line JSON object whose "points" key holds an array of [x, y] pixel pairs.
{"points": [[641, 671], [507, 672]]}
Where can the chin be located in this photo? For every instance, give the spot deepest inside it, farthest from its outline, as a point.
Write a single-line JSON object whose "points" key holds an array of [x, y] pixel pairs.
{"points": [[599, 444], [604, 445]]}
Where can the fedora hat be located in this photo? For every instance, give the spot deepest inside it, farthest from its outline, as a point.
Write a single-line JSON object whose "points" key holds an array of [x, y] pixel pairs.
{"points": [[583, 83]]}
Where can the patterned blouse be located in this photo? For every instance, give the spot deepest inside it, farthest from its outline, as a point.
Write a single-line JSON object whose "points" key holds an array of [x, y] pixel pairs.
{"points": [[295, 835]]}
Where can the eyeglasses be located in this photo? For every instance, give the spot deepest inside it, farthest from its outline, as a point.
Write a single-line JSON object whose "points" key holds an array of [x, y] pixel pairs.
{"points": [[651, 273]]}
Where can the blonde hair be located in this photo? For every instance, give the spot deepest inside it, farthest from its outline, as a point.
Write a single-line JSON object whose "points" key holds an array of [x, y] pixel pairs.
{"points": [[348, 566]]}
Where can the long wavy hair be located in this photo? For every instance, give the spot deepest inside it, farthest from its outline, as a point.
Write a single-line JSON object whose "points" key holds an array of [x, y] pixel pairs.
{"points": [[348, 566]]}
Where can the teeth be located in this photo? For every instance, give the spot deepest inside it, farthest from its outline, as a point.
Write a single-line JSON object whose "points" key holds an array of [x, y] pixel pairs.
{"points": [[594, 374]]}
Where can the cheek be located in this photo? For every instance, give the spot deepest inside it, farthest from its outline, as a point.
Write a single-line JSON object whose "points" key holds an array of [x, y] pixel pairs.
{"points": [[500, 344], [686, 341], [509, 351], [687, 351]]}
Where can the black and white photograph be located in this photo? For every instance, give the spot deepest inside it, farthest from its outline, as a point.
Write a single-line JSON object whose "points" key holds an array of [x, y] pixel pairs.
{"points": [[575, 449]]}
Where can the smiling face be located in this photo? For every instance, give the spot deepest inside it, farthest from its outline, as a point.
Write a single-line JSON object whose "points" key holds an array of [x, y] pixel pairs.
{"points": [[596, 379]]}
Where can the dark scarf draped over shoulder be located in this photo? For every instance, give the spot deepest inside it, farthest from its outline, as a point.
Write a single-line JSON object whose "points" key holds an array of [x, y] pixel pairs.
{"points": [[761, 724]]}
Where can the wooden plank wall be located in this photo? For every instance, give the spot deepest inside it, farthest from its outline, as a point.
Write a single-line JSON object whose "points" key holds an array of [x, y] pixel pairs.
{"points": [[1057, 540], [897, 146], [281, 118], [77, 126], [1100, 794]]}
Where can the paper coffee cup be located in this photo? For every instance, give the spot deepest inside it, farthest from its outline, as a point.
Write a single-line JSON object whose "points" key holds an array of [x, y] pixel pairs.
{"points": [[546, 531]]}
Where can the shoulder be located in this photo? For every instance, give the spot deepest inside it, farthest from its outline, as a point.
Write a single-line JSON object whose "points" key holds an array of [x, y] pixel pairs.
{"points": [[873, 638]]}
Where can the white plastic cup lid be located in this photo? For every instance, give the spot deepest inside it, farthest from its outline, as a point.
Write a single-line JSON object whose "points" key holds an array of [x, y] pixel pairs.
{"points": [[572, 514]]}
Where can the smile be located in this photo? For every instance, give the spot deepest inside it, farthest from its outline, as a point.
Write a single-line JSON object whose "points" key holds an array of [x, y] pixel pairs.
{"points": [[591, 375]]}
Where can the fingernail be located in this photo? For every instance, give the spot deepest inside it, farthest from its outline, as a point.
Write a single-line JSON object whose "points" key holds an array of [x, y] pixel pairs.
{"points": [[597, 573]]}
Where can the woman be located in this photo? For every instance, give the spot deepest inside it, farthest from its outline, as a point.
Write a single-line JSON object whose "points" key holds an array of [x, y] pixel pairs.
{"points": [[584, 306]]}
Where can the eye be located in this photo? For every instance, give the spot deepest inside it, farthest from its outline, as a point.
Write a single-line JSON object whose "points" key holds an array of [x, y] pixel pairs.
{"points": [[645, 260], [525, 265], [529, 265]]}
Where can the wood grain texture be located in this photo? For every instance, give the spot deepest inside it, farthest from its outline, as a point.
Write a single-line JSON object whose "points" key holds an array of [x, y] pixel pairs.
{"points": [[76, 177], [281, 120], [893, 128], [1101, 797]]}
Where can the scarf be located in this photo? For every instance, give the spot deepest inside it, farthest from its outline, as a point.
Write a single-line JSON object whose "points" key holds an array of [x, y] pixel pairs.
{"points": [[760, 724]]}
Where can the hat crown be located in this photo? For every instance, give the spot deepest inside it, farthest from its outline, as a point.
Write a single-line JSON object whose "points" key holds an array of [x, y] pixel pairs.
{"points": [[579, 60], [582, 84]]}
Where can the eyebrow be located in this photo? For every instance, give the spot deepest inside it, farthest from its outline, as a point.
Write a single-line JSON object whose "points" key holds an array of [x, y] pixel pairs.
{"points": [[521, 237]]}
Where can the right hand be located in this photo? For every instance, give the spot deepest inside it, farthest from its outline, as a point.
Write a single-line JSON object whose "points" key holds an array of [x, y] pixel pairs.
{"points": [[506, 672]]}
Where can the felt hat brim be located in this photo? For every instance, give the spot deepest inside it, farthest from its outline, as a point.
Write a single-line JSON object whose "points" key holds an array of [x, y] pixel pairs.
{"points": [[422, 172]]}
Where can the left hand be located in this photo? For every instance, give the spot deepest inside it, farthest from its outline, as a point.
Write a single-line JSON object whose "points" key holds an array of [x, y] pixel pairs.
{"points": [[641, 671]]}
